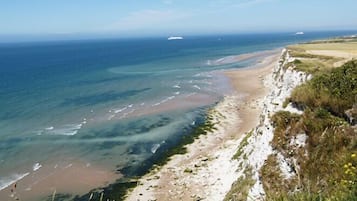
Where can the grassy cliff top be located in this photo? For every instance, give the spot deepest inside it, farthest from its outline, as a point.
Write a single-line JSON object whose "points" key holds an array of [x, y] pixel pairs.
{"points": [[322, 56]]}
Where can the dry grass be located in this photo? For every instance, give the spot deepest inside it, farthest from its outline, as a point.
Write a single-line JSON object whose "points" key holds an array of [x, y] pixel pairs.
{"points": [[340, 46], [320, 56]]}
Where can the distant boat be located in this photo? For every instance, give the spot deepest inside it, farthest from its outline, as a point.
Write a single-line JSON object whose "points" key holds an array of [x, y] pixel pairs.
{"points": [[175, 38], [299, 33]]}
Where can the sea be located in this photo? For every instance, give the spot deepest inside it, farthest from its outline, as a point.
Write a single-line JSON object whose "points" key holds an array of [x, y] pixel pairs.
{"points": [[113, 103]]}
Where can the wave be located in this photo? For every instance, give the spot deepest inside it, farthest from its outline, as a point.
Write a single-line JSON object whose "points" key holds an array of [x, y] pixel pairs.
{"points": [[49, 128], [225, 60], [164, 101], [197, 87], [36, 167], [67, 129], [155, 147], [120, 110], [6, 182], [127, 113], [124, 111]]}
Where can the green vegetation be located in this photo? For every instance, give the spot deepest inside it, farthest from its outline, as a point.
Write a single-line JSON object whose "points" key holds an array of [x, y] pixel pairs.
{"points": [[240, 188], [310, 63], [188, 170], [326, 167], [271, 172], [60, 197], [335, 91], [243, 143]]}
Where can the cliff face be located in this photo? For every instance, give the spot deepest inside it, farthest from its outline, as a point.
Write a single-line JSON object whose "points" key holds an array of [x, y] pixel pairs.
{"points": [[302, 154], [255, 146]]}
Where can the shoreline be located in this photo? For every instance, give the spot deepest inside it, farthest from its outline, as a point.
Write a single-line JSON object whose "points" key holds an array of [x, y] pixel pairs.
{"points": [[206, 170], [52, 179], [225, 135]]}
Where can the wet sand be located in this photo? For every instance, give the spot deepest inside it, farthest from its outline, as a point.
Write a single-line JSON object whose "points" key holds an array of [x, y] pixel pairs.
{"points": [[207, 170], [73, 178]]}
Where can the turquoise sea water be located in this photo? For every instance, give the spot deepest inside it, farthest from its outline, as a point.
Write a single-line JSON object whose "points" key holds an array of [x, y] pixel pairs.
{"points": [[112, 102]]}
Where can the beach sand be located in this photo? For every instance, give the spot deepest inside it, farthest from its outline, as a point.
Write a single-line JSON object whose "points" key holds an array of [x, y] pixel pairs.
{"points": [[73, 178], [207, 170]]}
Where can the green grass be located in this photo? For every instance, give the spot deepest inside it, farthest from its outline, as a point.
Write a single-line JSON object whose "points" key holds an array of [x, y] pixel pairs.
{"points": [[335, 91], [240, 188], [243, 143]]}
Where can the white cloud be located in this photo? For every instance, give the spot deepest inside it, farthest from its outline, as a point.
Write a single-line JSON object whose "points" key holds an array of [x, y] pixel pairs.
{"points": [[147, 19]]}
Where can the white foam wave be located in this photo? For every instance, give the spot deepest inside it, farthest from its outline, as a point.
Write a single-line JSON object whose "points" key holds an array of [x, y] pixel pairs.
{"points": [[155, 147], [191, 94], [7, 181], [68, 129], [197, 87], [204, 74], [120, 110], [177, 93], [49, 128], [36, 167], [164, 101], [225, 60], [68, 166], [127, 113], [221, 59], [176, 86]]}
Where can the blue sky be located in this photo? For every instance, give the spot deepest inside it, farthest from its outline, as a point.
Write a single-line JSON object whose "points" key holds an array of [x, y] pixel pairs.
{"points": [[167, 17]]}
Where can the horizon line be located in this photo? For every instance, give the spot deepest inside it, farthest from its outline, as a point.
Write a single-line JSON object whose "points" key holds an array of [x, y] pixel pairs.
{"points": [[53, 37]]}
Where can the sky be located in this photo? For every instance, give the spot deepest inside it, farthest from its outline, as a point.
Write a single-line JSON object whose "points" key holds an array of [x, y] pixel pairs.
{"points": [[172, 17]]}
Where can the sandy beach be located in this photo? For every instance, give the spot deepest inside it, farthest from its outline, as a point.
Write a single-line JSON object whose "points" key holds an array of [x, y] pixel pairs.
{"points": [[58, 179], [207, 170]]}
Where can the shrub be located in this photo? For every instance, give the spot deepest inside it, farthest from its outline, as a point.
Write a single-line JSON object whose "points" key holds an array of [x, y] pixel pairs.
{"points": [[335, 91]]}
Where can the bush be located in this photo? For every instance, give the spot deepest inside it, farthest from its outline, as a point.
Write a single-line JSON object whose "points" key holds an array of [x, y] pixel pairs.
{"points": [[335, 91]]}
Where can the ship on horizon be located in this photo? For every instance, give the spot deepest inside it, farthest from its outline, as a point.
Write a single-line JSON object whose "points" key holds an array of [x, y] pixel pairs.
{"points": [[175, 38]]}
